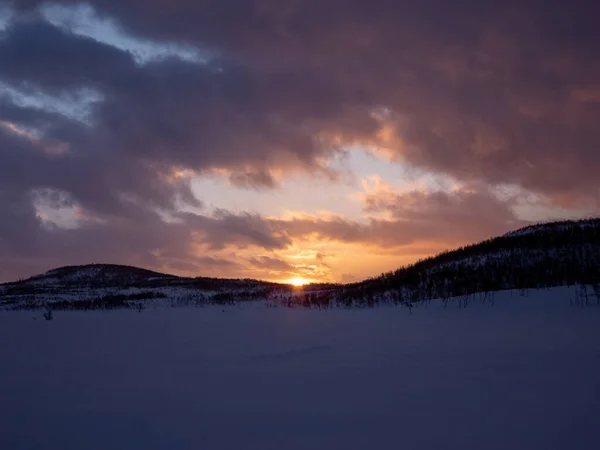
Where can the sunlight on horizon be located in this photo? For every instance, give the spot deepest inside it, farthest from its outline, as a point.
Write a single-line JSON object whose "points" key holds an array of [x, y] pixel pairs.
{"points": [[298, 281]]}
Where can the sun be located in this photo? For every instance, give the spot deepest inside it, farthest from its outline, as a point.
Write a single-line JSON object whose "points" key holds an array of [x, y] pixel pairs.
{"points": [[298, 281]]}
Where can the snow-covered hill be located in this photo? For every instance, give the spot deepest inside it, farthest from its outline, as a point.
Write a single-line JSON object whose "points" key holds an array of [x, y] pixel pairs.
{"points": [[541, 256], [553, 227], [112, 286], [547, 255]]}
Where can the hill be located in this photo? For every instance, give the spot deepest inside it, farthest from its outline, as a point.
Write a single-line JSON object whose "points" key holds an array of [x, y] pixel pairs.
{"points": [[96, 286], [547, 255], [553, 254]]}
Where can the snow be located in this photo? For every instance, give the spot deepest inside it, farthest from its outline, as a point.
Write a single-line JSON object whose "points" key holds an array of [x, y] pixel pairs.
{"points": [[553, 226], [521, 374], [166, 295]]}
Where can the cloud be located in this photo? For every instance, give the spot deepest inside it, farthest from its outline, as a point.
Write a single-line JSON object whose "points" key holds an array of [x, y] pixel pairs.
{"points": [[476, 91], [487, 94], [253, 179], [35, 51], [459, 216], [200, 244], [180, 112], [240, 230], [272, 264]]}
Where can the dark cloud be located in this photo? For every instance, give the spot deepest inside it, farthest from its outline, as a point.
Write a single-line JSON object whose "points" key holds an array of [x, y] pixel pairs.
{"points": [[253, 179], [270, 263], [487, 92], [34, 51], [480, 91], [29, 246], [242, 230], [179, 113], [446, 218], [461, 216]]}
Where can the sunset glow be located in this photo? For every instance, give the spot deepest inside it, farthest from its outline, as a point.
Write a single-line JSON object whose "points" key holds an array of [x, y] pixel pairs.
{"points": [[293, 141], [298, 282]]}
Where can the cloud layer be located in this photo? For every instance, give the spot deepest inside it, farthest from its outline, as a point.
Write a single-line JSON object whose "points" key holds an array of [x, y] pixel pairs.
{"points": [[489, 95]]}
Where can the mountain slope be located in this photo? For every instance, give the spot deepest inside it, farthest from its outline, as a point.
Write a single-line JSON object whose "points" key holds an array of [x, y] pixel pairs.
{"points": [[109, 286], [539, 256], [95, 274]]}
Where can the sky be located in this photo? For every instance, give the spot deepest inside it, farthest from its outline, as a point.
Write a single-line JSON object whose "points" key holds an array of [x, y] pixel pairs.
{"points": [[326, 140]]}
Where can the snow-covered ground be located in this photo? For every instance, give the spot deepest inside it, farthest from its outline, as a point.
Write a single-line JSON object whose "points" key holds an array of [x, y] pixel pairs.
{"points": [[521, 374]]}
